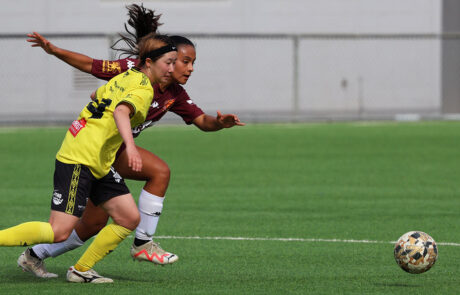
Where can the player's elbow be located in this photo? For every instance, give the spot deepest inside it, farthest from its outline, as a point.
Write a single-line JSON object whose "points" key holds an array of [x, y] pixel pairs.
{"points": [[123, 109]]}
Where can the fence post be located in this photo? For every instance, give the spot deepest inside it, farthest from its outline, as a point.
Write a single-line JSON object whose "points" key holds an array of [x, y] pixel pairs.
{"points": [[295, 77]]}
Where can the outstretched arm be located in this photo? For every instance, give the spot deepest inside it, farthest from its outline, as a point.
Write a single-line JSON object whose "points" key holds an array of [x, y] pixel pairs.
{"points": [[210, 123], [82, 62]]}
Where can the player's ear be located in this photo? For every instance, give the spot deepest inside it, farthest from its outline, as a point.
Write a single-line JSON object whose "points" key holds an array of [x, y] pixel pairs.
{"points": [[148, 62]]}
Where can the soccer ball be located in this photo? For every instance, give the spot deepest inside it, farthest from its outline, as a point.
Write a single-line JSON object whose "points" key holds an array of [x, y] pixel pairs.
{"points": [[415, 252]]}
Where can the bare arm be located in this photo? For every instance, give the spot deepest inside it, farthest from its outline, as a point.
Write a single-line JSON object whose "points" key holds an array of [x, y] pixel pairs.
{"points": [[210, 123], [121, 116], [77, 60]]}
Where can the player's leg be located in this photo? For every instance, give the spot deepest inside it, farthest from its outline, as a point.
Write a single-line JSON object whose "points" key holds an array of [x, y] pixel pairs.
{"points": [[113, 196], [71, 186], [125, 215], [61, 224], [156, 173], [92, 221], [27, 233], [64, 214], [70, 182]]}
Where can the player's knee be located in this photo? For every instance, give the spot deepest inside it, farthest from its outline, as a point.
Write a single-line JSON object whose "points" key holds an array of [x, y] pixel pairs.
{"points": [[162, 173], [132, 223], [134, 219], [61, 230], [61, 235], [129, 221]]}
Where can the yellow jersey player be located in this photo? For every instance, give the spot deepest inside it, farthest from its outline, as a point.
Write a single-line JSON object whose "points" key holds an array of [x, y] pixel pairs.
{"points": [[95, 131], [83, 163], [169, 97]]}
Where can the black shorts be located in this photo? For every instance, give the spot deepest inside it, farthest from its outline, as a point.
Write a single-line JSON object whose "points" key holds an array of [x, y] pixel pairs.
{"points": [[74, 184]]}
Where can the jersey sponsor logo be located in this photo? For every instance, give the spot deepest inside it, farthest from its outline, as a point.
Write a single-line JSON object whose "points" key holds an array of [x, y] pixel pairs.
{"points": [[189, 101], [121, 88], [155, 104], [130, 64], [111, 67], [115, 175], [145, 81], [138, 129], [76, 126], [57, 198], [168, 104]]}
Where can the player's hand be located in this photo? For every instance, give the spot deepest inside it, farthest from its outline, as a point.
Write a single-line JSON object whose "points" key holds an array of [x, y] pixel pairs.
{"points": [[228, 120], [38, 40], [134, 159]]}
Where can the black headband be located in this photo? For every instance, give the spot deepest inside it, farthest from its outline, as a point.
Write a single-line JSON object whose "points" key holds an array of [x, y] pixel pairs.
{"points": [[158, 52]]}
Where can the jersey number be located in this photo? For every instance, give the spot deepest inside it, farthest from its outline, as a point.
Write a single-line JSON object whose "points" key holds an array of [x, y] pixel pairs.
{"points": [[99, 110]]}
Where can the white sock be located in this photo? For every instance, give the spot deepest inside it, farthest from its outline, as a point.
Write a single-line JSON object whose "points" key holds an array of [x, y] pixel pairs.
{"points": [[44, 251], [150, 207]]}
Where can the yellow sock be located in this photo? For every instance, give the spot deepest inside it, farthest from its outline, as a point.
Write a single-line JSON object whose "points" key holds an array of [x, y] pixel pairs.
{"points": [[104, 243], [28, 233]]}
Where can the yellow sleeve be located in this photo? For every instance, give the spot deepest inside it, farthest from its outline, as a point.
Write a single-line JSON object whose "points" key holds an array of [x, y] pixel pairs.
{"points": [[140, 99]]}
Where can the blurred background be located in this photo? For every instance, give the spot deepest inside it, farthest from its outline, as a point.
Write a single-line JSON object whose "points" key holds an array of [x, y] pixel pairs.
{"points": [[265, 60]]}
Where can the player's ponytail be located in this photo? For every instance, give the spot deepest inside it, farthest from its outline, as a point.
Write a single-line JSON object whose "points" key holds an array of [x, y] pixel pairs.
{"points": [[143, 21]]}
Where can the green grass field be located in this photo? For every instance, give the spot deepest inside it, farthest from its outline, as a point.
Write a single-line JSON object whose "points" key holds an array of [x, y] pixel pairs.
{"points": [[327, 181]]}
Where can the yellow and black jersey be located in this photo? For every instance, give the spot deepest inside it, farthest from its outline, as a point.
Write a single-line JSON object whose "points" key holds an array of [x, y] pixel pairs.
{"points": [[93, 139]]}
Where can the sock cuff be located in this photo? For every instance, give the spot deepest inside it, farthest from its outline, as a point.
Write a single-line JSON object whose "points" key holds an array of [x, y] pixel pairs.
{"points": [[76, 238], [150, 204], [146, 194]]}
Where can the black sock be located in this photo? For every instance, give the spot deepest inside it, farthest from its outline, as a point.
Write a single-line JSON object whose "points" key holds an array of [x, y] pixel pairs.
{"points": [[138, 242], [33, 254]]}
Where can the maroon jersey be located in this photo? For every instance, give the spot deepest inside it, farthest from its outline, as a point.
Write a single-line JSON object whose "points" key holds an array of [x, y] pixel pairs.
{"points": [[174, 98], [107, 69]]}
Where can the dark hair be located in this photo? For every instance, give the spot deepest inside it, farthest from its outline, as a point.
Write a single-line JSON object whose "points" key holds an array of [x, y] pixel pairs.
{"points": [[143, 21], [151, 42], [181, 40]]}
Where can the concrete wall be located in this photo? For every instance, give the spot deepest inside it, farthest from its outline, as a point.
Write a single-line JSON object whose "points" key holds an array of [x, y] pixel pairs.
{"points": [[229, 16], [451, 58], [349, 56], [369, 76], [39, 87]]}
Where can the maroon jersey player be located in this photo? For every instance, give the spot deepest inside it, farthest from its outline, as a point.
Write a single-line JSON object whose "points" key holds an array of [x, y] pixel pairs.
{"points": [[171, 97]]}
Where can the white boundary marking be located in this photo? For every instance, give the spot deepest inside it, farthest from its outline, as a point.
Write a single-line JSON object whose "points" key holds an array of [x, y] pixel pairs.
{"points": [[290, 240]]}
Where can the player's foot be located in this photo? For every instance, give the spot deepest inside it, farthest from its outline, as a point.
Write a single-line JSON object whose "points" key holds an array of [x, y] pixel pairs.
{"points": [[34, 265], [152, 252], [89, 276]]}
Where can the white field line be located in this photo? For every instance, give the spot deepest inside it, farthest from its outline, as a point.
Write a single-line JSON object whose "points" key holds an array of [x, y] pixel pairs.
{"points": [[290, 240]]}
